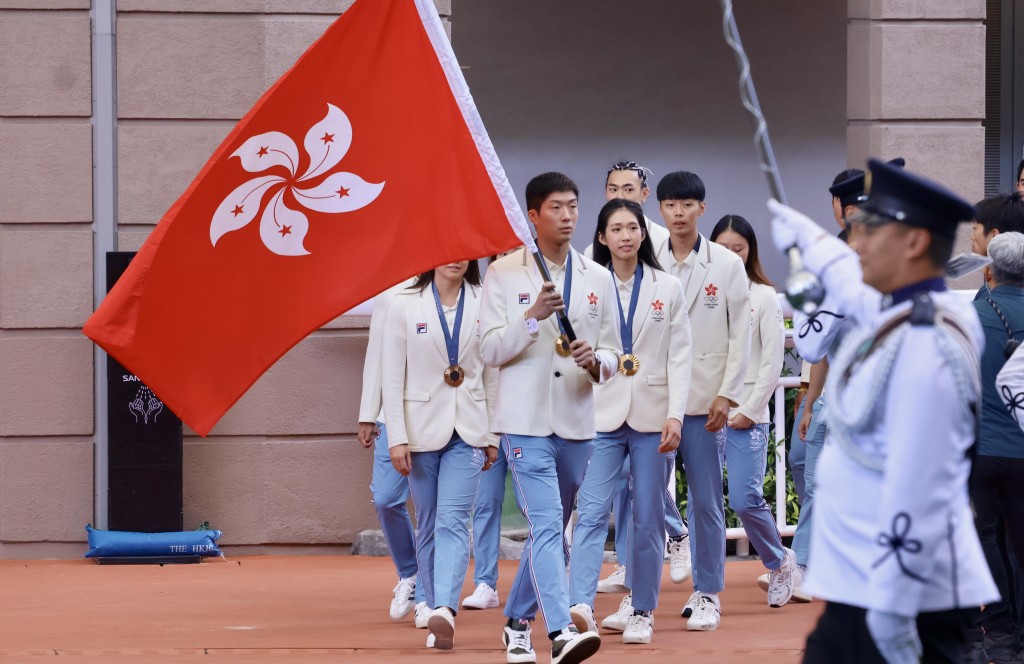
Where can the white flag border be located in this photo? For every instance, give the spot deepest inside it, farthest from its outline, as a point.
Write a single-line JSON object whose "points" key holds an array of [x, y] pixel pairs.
{"points": [[460, 90]]}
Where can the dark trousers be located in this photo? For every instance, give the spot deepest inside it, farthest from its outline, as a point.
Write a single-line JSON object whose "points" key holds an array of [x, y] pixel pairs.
{"points": [[997, 496], [842, 637]]}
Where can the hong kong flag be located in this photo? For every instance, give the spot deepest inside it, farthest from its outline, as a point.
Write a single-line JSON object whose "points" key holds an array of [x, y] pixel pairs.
{"points": [[365, 164]]}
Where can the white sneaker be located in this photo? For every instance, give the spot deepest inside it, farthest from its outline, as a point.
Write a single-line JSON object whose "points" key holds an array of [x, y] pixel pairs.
{"points": [[422, 615], [617, 621], [484, 597], [706, 615], [518, 648], [583, 617], [639, 630], [679, 566], [572, 647], [800, 596], [690, 605], [430, 640], [442, 625], [405, 595], [780, 581], [614, 582]]}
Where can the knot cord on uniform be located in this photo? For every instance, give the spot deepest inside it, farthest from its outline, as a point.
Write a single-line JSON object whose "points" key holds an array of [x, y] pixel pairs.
{"points": [[898, 541], [812, 322], [1014, 401]]}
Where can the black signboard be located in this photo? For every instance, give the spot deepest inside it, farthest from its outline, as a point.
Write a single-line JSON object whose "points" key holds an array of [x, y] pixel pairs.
{"points": [[144, 493]]}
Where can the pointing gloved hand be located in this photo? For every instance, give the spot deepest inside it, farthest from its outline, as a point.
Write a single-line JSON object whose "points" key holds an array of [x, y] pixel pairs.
{"points": [[791, 228], [895, 636]]}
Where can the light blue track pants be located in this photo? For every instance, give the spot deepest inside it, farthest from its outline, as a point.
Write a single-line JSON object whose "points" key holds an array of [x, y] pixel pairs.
{"points": [[546, 473], [444, 484], [797, 451], [705, 504], [814, 443], [487, 523], [746, 454], [647, 537], [622, 506], [390, 491]]}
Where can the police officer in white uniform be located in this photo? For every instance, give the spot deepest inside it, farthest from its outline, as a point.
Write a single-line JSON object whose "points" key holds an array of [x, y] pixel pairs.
{"points": [[894, 551]]}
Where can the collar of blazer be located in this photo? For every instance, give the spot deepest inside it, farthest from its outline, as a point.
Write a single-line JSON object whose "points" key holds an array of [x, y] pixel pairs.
{"points": [[699, 272], [648, 289], [579, 268], [428, 309]]}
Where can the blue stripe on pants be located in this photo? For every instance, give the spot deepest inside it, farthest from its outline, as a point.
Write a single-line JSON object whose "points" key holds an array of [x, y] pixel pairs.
{"points": [[546, 473], [444, 484], [746, 454], [705, 505], [647, 537], [390, 490], [487, 523]]}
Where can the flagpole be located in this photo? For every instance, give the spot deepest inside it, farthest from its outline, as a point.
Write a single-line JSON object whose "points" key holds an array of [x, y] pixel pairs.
{"points": [[803, 290], [563, 317]]}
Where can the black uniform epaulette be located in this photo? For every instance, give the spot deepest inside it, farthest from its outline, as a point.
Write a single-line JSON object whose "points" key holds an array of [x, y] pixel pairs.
{"points": [[922, 313]]}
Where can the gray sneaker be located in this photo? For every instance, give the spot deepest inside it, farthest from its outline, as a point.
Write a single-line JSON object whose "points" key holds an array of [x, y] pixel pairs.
{"points": [[780, 581]]}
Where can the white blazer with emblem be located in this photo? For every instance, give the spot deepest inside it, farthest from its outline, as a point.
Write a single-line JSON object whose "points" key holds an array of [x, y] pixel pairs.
{"points": [[767, 353], [421, 409], [718, 301], [541, 393], [661, 342]]}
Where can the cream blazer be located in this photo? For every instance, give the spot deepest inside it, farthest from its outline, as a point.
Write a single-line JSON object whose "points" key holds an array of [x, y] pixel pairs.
{"points": [[767, 353], [370, 405], [717, 299], [421, 409], [541, 393], [661, 341]]}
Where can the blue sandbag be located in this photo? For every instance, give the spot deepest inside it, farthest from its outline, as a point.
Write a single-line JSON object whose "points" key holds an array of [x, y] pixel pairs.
{"points": [[110, 543]]}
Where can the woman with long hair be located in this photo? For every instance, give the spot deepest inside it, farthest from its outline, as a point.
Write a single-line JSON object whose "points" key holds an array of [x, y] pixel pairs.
{"points": [[744, 439], [639, 415], [436, 409]]}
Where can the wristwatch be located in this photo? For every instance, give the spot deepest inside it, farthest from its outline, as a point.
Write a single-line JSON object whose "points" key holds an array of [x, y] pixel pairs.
{"points": [[532, 326]]}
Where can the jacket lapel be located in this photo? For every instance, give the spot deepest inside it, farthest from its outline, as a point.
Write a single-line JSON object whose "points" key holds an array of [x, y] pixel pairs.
{"points": [[579, 286], [468, 321], [429, 310], [699, 273], [648, 288]]}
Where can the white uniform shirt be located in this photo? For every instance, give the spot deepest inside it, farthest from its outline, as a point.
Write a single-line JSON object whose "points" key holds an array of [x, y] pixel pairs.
{"points": [[893, 527]]}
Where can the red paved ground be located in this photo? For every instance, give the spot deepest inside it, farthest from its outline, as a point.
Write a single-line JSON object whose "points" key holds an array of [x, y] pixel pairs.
{"points": [[326, 609]]}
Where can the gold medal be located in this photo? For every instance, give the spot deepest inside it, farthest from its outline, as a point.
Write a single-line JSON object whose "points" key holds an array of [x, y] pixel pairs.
{"points": [[629, 364], [562, 345], [454, 375]]}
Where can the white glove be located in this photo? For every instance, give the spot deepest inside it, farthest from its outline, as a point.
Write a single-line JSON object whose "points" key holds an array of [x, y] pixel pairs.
{"points": [[895, 636], [791, 228]]}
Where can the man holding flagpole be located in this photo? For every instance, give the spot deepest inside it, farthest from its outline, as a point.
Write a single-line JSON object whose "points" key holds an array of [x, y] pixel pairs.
{"points": [[545, 407]]}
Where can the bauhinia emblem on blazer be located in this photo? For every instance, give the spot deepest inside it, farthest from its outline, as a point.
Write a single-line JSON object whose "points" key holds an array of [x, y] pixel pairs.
{"points": [[658, 310], [711, 296], [592, 305]]}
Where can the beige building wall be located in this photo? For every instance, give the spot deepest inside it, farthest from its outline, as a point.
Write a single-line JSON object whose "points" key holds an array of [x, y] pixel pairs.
{"points": [[916, 89], [283, 467]]}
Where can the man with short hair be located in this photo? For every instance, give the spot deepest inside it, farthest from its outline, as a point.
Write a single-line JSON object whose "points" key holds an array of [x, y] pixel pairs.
{"points": [[717, 297], [894, 551], [545, 406]]}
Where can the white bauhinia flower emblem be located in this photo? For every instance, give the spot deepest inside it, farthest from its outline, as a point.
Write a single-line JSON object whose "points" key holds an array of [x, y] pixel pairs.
{"points": [[283, 229]]}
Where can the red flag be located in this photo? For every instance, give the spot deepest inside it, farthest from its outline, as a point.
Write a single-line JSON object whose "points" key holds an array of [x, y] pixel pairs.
{"points": [[365, 164]]}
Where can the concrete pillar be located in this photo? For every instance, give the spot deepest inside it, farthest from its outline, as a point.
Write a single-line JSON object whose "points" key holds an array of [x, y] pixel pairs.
{"points": [[916, 89]]}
